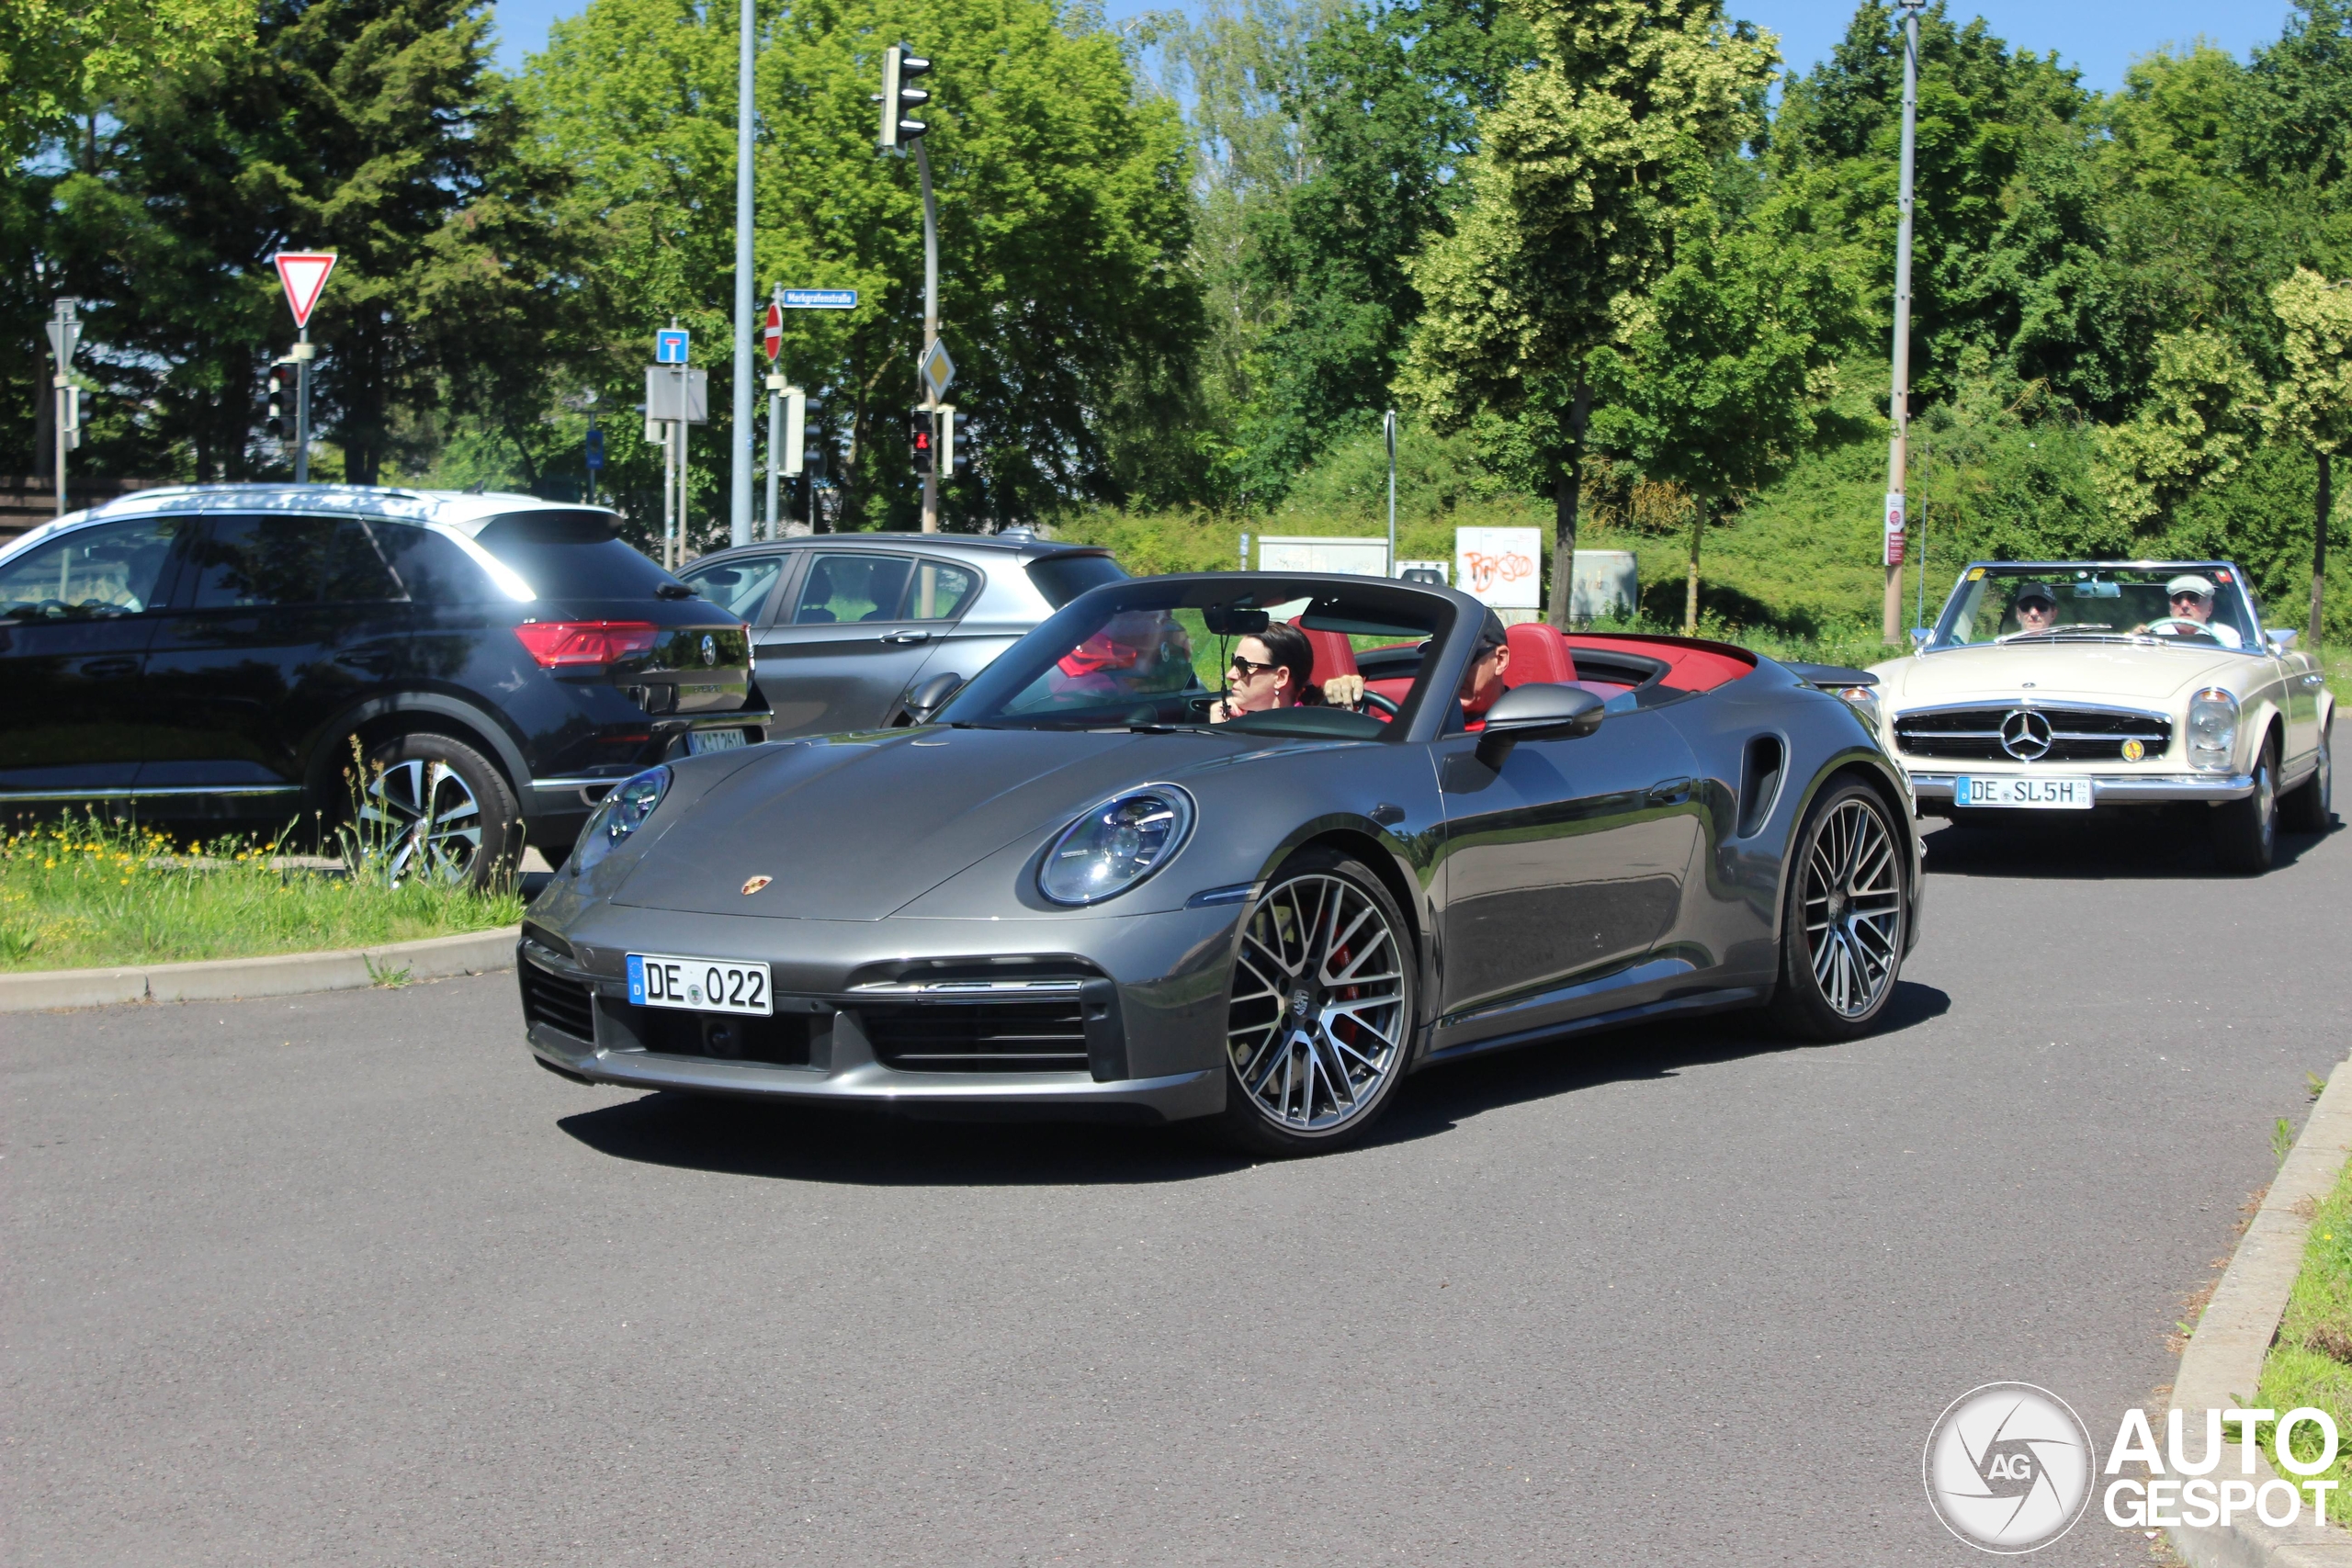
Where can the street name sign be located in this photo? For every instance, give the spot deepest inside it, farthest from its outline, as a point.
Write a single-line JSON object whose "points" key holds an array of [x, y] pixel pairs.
{"points": [[303, 276], [821, 299]]}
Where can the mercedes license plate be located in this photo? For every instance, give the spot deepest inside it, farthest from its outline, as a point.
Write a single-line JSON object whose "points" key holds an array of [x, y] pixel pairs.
{"points": [[701, 740], [2038, 795], [699, 985]]}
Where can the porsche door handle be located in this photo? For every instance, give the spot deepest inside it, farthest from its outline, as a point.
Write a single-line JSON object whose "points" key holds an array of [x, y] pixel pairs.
{"points": [[902, 639], [1672, 792]]}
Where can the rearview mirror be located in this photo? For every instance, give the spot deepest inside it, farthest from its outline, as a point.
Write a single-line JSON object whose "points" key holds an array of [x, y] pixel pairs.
{"points": [[927, 699], [1537, 711]]}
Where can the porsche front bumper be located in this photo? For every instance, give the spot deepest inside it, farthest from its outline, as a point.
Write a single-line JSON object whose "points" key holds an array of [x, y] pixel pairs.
{"points": [[2113, 789], [1123, 1024]]}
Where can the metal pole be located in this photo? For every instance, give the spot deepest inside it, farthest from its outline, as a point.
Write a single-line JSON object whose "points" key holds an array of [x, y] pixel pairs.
{"points": [[738, 513], [302, 352], [1389, 425], [775, 444], [685, 489], [668, 492], [1925, 467], [1899, 402], [930, 331], [62, 394]]}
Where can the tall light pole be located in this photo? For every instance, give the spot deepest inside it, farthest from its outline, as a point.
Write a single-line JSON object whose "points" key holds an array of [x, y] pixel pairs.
{"points": [[738, 513], [65, 332], [933, 368], [1388, 428], [930, 334], [1899, 402]]}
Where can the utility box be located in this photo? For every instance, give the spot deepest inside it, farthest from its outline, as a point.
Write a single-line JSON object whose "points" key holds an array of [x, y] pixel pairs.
{"points": [[1604, 583], [1323, 553], [672, 394]]}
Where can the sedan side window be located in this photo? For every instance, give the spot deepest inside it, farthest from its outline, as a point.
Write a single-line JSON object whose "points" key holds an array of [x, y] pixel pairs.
{"points": [[853, 588], [941, 591], [91, 573], [250, 562], [740, 587]]}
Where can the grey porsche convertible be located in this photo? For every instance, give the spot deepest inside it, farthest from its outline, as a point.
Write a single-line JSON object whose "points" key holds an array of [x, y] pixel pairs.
{"points": [[1245, 846]]}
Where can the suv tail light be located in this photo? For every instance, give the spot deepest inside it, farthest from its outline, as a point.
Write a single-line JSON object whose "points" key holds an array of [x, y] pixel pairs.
{"points": [[558, 644]]}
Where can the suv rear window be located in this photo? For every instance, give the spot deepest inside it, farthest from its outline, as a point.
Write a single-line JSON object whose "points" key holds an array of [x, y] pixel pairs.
{"points": [[1063, 578], [570, 555]]}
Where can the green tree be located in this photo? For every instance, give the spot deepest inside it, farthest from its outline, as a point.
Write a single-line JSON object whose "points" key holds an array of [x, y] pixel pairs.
{"points": [[2203, 406], [2313, 406], [1063, 225], [61, 58], [1722, 374], [1586, 162]]}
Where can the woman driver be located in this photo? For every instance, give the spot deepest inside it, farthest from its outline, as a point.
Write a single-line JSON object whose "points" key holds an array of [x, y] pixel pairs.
{"points": [[1273, 668]]}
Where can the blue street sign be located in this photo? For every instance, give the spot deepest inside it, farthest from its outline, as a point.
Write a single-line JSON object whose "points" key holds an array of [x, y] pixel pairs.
{"points": [[821, 299], [595, 450], [670, 346]]}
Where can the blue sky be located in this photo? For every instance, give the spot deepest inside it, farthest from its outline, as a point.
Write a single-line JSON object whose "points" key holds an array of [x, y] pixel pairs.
{"points": [[2099, 35]]}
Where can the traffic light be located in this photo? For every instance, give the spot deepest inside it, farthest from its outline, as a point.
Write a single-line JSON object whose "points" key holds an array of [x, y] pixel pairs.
{"points": [[919, 436], [276, 416], [900, 66]]}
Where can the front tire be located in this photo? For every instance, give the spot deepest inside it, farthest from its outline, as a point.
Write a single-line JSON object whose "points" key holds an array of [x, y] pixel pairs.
{"points": [[1849, 915], [2312, 808], [1319, 1013], [2246, 833]]}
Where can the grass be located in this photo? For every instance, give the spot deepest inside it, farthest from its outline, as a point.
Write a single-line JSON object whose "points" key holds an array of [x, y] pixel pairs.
{"points": [[2311, 1361], [91, 893]]}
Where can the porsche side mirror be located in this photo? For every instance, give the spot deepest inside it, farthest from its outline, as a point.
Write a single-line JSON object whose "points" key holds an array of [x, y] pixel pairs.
{"points": [[927, 699], [1537, 711]]}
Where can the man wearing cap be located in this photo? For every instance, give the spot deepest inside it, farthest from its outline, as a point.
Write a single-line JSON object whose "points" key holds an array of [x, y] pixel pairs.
{"points": [[2192, 597], [2037, 609]]}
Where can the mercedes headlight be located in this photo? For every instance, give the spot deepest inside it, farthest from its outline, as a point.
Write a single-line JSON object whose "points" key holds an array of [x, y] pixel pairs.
{"points": [[2213, 731], [622, 812], [1117, 845]]}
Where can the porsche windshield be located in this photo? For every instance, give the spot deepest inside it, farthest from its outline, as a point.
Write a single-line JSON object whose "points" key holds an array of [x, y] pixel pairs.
{"points": [[1257, 651], [2198, 605]]}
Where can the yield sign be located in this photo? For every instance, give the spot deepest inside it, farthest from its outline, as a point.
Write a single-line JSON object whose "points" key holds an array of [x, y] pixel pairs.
{"points": [[303, 274], [937, 371], [773, 334]]}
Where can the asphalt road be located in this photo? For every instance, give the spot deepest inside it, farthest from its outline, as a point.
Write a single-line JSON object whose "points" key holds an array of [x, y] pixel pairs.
{"points": [[346, 1279]]}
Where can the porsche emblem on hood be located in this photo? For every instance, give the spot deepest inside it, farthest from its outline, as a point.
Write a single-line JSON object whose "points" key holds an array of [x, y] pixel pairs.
{"points": [[754, 884]]}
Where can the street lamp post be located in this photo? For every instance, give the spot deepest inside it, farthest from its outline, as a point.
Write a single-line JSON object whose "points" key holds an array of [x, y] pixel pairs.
{"points": [[739, 515], [930, 329], [1899, 402]]}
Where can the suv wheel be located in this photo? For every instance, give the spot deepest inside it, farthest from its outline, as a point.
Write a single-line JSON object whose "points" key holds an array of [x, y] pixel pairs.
{"points": [[431, 807]]}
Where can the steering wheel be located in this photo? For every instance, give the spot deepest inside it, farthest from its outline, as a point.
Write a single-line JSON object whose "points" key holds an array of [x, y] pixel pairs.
{"points": [[2193, 627], [1382, 708]]}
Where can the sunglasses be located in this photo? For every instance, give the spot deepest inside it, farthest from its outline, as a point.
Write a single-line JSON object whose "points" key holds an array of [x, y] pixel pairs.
{"points": [[2192, 597], [1249, 667]]}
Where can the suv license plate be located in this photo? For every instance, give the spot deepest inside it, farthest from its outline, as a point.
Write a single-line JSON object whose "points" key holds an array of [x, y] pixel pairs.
{"points": [[2038, 795], [701, 740], [699, 985]]}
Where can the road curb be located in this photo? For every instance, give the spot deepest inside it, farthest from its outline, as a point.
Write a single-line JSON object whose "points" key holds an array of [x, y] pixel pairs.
{"points": [[2223, 1361], [278, 974]]}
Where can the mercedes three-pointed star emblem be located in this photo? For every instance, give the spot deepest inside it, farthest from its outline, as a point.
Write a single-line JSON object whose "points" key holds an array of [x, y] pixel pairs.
{"points": [[2024, 734]]}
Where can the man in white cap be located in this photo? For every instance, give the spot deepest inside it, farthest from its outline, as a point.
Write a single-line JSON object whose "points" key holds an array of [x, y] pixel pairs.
{"points": [[2192, 597]]}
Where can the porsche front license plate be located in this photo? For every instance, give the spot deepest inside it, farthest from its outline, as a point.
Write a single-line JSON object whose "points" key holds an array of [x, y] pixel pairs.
{"points": [[2040, 795], [699, 741], [699, 985]]}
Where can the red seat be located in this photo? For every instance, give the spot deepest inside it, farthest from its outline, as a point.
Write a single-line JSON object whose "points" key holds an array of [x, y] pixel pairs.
{"points": [[1334, 654], [1538, 656]]}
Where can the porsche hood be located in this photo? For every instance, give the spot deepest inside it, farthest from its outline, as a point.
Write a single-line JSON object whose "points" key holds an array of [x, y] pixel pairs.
{"points": [[853, 828]]}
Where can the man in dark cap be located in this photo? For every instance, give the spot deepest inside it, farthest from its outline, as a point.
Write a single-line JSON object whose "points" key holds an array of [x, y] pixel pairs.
{"points": [[2037, 608]]}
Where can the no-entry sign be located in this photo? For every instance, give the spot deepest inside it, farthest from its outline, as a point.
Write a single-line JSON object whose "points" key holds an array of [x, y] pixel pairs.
{"points": [[773, 334], [303, 276]]}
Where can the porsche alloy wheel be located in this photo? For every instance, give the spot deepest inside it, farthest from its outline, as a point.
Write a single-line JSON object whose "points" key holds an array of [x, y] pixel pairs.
{"points": [[1321, 1008], [1842, 946]]}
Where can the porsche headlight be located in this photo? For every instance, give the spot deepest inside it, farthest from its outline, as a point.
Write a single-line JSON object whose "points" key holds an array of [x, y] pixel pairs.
{"points": [[622, 812], [2213, 731], [1117, 845]]}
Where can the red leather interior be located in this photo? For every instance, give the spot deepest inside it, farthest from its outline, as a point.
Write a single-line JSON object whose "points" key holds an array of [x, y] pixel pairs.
{"points": [[1334, 654], [1538, 655], [1691, 667]]}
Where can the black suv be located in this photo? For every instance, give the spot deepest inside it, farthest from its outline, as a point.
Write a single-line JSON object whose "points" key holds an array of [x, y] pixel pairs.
{"points": [[211, 655]]}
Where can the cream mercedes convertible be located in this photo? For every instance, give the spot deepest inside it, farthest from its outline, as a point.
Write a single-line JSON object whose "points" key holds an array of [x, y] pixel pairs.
{"points": [[2066, 685]]}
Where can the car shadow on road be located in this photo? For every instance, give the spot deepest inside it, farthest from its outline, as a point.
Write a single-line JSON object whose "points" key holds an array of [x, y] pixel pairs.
{"points": [[866, 1148], [2169, 847]]}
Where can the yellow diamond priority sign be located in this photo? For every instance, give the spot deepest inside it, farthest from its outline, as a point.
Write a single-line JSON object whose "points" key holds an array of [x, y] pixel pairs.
{"points": [[937, 371]]}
